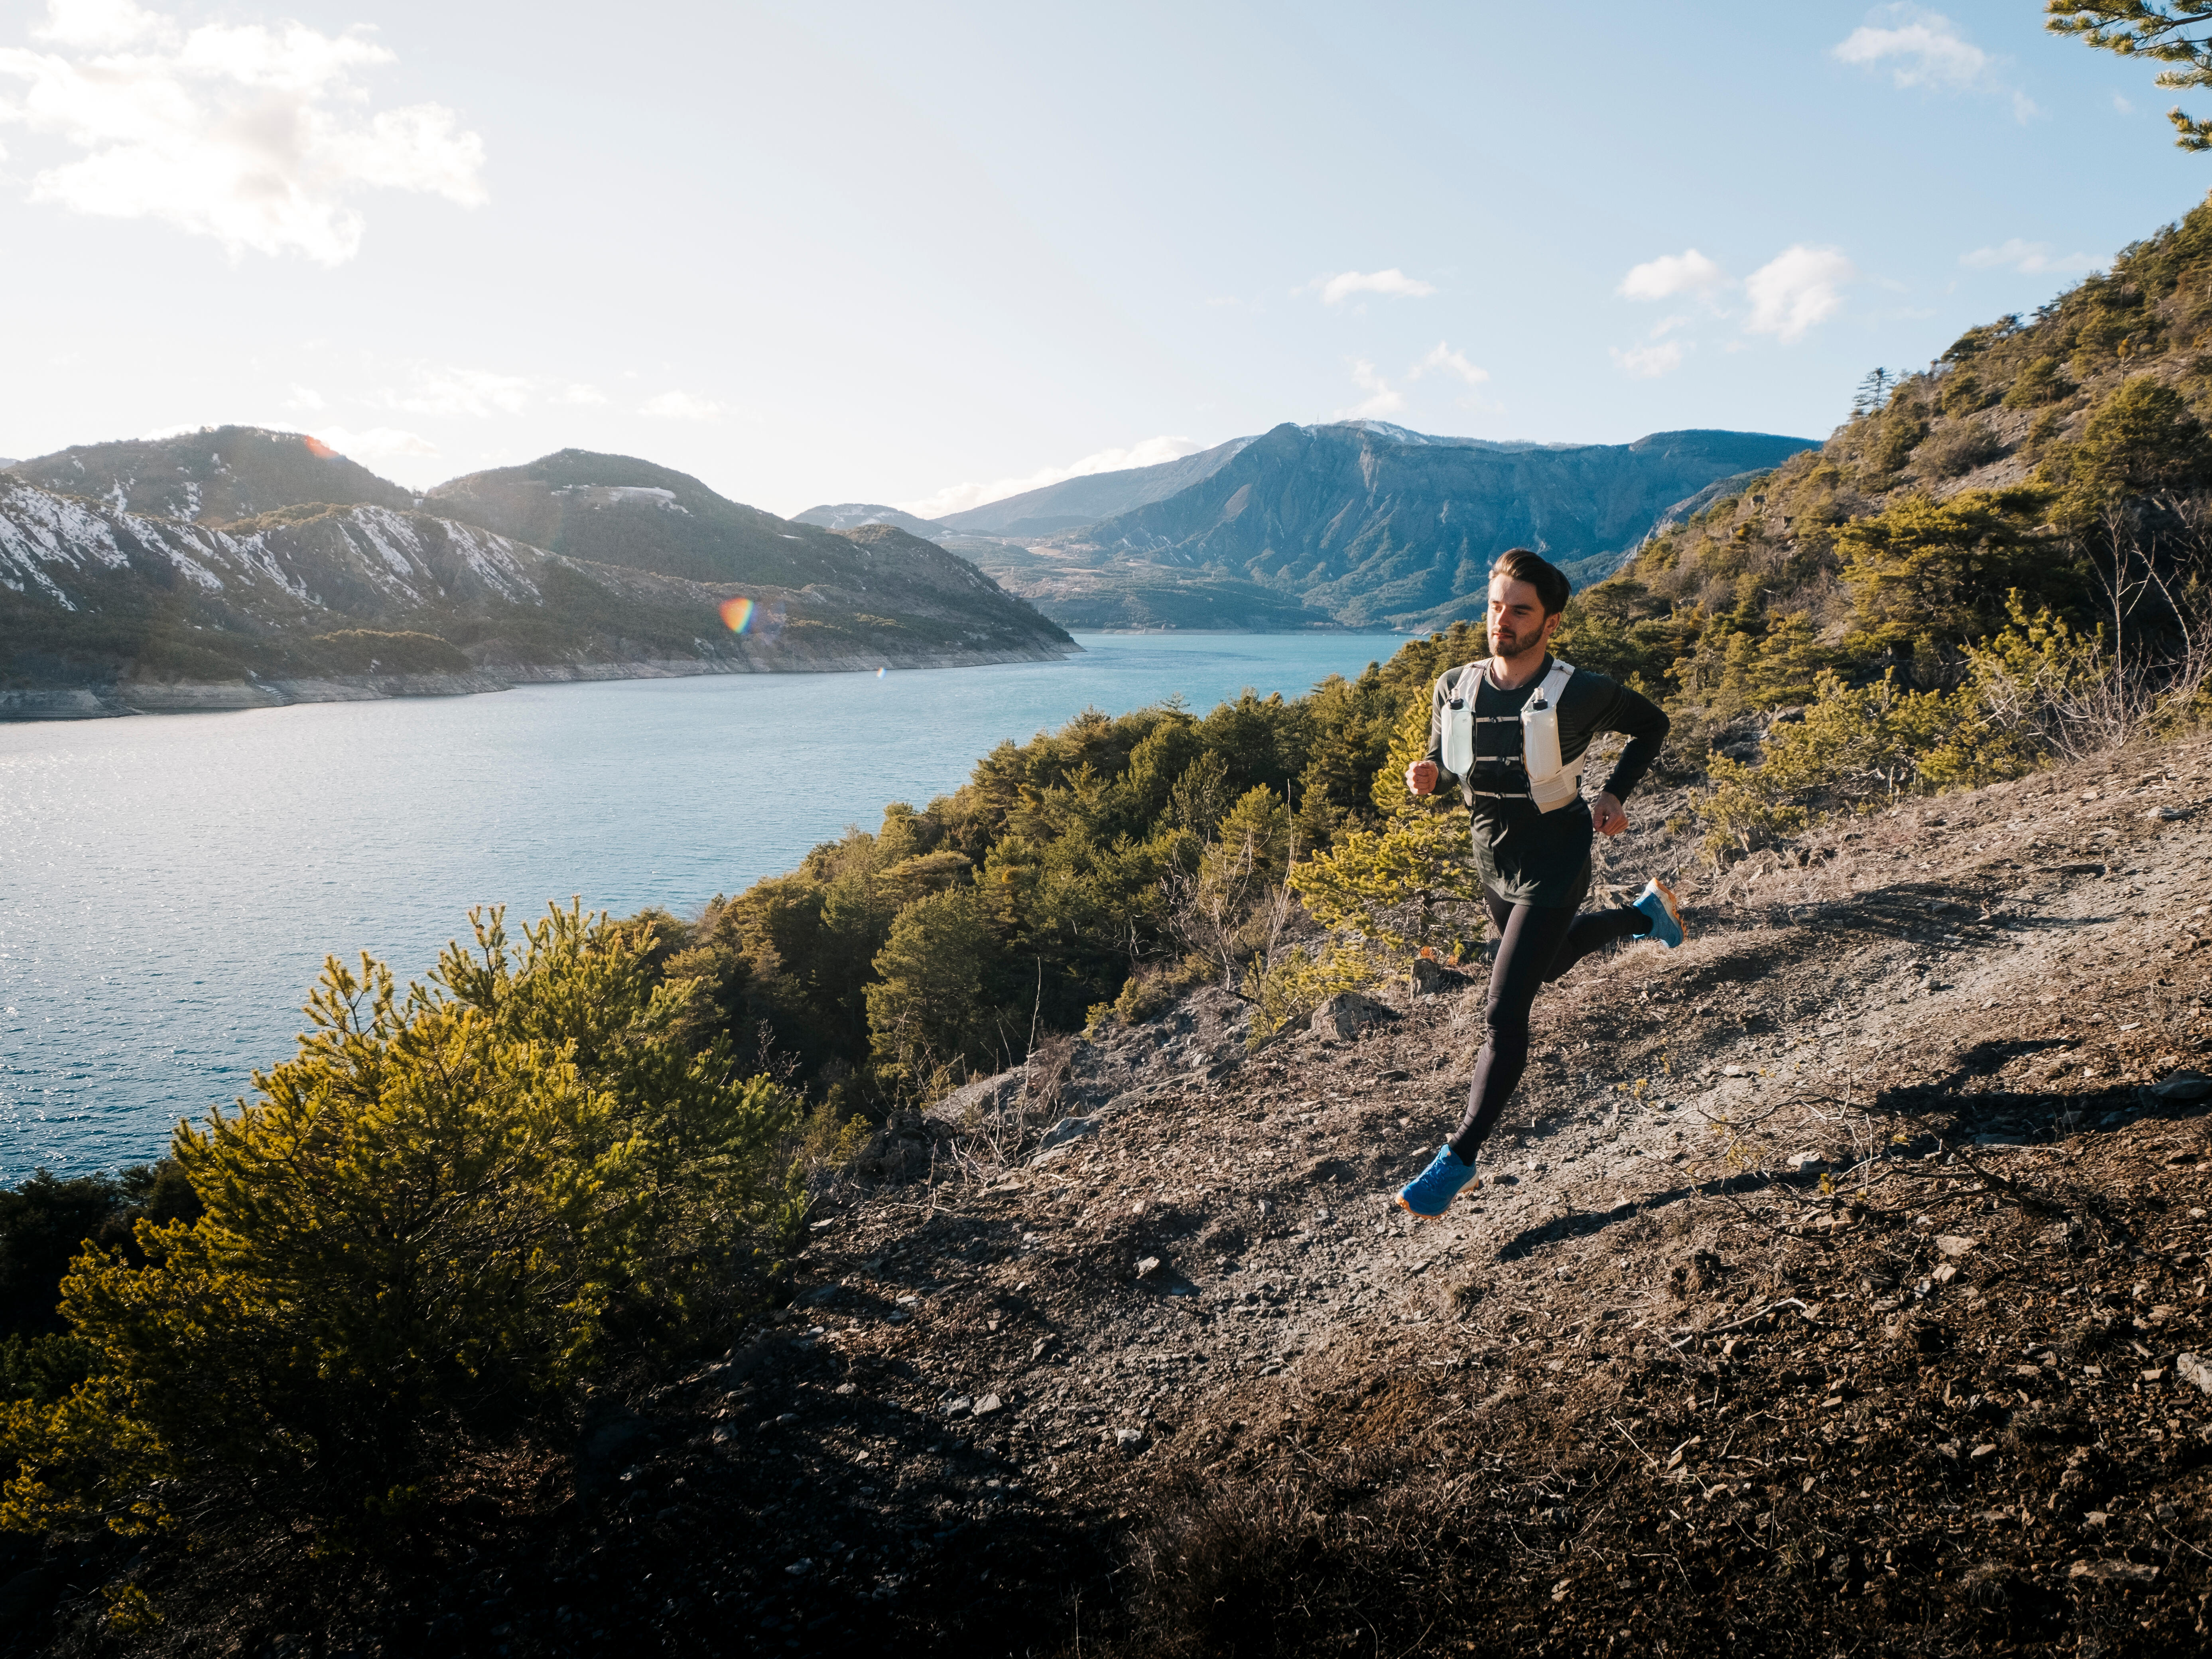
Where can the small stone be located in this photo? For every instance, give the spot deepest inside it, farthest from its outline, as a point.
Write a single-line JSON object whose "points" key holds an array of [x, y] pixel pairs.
{"points": [[2192, 1370], [988, 1404], [1733, 1071], [1129, 1441], [959, 1406], [2155, 1375], [1067, 1129], [1945, 1274], [2182, 1086], [1981, 1452], [1348, 1013], [802, 1566], [2113, 1572], [847, 1387], [1149, 1266], [1952, 1245]]}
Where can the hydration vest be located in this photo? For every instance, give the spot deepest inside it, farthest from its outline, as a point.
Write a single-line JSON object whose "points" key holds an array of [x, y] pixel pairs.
{"points": [[1552, 782]]}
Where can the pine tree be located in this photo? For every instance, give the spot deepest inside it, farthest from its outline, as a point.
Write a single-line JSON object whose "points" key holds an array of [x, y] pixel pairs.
{"points": [[2144, 28], [1873, 392]]}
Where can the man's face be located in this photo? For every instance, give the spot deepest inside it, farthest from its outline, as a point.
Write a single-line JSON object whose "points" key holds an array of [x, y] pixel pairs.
{"points": [[1517, 617]]}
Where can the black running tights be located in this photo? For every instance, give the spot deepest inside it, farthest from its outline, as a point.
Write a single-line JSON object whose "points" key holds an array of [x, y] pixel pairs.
{"points": [[1535, 946]]}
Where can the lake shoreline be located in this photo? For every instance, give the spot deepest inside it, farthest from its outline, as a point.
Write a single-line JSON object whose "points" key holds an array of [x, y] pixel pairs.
{"points": [[115, 702]]}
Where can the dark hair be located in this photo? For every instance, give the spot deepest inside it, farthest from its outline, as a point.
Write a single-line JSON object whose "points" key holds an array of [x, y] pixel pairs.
{"points": [[1519, 564]]}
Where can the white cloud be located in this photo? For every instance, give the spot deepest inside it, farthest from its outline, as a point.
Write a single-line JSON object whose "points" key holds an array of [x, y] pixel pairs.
{"points": [[680, 406], [1925, 50], [958, 498], [1443, 358], [1798, 288], [2024, 256], [376, 445], [1393, 281], [450, 393], [305, 396], [1649, 362], [1687, 272], [582, 394], [93, 24], [1380, 400], [259, 136], [2122, 105]]}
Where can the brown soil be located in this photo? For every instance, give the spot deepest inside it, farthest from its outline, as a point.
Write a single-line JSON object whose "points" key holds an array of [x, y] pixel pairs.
{"points": [[1825, 1295]]}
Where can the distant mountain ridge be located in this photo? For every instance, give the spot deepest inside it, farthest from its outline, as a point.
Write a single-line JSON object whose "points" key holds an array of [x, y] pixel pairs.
{"points": [[1345, 523], [1094, 495], [1358, 520], [105, 609], [212, 476], [851, 515]]}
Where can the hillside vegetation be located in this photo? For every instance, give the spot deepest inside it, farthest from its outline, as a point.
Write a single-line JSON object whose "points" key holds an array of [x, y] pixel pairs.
{"points": [[1995, 561]]}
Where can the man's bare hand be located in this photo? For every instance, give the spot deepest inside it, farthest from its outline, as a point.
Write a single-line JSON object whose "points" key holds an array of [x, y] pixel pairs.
{"points": [[1606, 816], [1421, 776]]}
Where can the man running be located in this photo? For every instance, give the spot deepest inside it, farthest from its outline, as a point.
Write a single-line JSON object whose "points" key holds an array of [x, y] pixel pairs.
{"points": [[1535, 864]]}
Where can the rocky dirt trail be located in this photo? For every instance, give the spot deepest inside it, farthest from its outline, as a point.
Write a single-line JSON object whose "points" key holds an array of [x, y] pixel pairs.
{"points": [[1836, 1285]]}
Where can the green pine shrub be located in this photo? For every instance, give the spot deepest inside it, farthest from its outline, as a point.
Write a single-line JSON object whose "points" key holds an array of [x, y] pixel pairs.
{"points": [[448, 1209]]}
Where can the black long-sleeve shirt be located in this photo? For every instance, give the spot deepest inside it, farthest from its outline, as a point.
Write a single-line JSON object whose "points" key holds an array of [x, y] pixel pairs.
{"points": [[1525, 856]]}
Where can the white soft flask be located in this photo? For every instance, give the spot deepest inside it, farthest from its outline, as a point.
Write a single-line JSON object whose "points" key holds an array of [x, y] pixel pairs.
{"points": [[1459, 722], [1552, 782]]}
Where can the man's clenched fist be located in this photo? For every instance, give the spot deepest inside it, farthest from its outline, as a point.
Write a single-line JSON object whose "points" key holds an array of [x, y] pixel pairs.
{"points": [[1421, 776]]}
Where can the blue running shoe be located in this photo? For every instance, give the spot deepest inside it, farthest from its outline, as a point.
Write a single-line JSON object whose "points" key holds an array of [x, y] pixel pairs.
{"points": [[1657, 901], [1430, 1193]]}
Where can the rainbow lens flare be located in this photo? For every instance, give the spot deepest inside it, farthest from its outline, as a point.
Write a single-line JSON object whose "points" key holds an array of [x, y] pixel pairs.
{"points": [[738, 614]]}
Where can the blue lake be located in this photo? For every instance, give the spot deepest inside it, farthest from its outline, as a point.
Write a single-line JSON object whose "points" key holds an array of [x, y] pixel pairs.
{"points": [[170, 886]]}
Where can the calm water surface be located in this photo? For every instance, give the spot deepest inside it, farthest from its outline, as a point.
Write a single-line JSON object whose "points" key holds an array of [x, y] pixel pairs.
{"points": [[169, 886]]}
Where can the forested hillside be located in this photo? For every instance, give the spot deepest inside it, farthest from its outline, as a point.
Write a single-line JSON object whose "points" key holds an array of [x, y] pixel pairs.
{"points": [[1997, 560]]}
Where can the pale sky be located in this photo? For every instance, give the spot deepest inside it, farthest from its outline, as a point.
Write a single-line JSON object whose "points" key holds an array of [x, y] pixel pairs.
{"points": [[929, 255]]}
